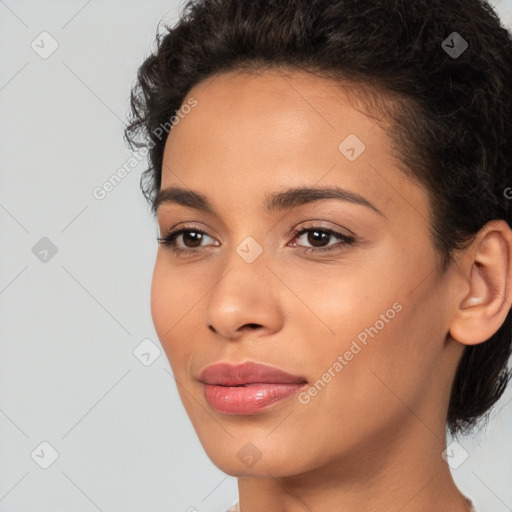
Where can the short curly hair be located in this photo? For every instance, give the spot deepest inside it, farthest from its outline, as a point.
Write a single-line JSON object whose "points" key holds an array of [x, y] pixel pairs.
{"points": [[450, 113]]}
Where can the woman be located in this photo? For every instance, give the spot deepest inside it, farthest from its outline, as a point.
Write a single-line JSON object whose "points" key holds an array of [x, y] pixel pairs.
{"points": [[334, 277]]}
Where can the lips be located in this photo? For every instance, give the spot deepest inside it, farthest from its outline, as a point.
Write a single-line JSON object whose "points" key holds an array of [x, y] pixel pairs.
{"points": [[247, 388], [224, 374]]}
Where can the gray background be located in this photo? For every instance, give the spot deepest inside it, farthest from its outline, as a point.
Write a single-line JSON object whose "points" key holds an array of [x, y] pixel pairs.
{"points": [[71, 320]]}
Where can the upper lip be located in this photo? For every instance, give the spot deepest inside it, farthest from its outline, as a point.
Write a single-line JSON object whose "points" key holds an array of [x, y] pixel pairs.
{"points": [[225, 374]]}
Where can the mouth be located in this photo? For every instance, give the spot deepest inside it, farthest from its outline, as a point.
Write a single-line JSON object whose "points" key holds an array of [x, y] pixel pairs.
{"points": [[247, 388], [247, 399]]}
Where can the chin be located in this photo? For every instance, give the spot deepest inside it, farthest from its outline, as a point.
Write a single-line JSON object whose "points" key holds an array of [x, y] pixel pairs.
{"points": [[243, 457]]}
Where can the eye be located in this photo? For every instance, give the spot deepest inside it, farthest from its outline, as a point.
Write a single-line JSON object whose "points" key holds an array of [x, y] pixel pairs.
{"points": [[191, 239], [318, 236]]}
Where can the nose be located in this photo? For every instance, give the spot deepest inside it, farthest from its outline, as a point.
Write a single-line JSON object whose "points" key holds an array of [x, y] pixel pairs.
{"points": [[245, 301]]}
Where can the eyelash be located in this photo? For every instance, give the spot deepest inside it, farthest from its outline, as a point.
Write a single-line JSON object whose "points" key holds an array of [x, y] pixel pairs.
{"points": [[169, 240]]}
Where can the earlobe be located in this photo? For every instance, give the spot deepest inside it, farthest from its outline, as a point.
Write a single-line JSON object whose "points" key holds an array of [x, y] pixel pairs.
{"points": [[484, 308]]}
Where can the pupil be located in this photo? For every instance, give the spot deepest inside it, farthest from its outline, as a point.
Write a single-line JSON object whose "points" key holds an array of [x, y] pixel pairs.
{"points": [[313, 240], [196, 237]]}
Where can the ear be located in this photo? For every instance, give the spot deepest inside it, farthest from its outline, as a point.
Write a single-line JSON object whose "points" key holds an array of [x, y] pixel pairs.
{"points": [[487, 269]]}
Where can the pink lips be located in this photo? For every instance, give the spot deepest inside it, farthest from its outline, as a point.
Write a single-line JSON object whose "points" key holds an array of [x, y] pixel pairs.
{"points": [[247, 388]]}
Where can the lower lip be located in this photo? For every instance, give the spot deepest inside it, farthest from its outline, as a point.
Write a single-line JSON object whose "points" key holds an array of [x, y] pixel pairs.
{"points": [[248, 399]]}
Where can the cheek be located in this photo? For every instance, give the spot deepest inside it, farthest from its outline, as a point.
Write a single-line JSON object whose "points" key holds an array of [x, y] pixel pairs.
{"points": [[160, 296], [341, 304], [389, 357], [386, 331], [169, 305]]}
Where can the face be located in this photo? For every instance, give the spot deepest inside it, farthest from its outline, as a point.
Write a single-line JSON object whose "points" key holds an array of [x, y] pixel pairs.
{"points": [[340, 291]]}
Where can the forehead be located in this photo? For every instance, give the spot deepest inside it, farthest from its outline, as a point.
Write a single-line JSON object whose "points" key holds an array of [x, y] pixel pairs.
{"points": [[252, 133], [281, 105]]}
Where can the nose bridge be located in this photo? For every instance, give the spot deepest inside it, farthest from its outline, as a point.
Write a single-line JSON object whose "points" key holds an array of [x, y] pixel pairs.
{"points": [[244, 293], [246, 266], [250, 250]]}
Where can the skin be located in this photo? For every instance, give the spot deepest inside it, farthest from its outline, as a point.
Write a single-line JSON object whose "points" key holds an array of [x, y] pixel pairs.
{"points": [[372, 438]]}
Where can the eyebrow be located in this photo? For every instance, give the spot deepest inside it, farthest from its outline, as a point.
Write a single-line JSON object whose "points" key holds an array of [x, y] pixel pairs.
{"points": [[287, 199]]}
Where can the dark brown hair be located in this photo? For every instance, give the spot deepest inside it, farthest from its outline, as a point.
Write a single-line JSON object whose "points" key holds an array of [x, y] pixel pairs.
{"points": [[449, 109]]}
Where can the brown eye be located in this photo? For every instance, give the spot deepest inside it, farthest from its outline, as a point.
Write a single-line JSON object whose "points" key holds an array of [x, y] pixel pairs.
{"points": [[191, 239], [319, 238]]}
